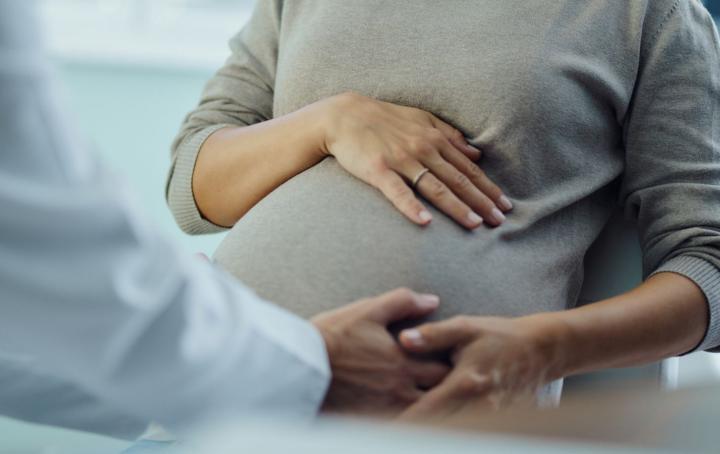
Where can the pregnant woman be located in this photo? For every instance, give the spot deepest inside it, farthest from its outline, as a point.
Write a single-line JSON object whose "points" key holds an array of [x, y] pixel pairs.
{"points": [[522, 125]]}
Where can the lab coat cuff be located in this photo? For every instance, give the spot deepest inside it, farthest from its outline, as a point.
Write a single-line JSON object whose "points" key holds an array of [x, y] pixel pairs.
{"points": [[298, 339]]}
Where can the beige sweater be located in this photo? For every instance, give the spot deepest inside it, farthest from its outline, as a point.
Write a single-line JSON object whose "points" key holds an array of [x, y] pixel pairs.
{"points": [[579, 106]]}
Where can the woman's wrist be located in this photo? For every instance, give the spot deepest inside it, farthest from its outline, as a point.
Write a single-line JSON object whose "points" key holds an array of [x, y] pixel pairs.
{"points": [[313, 123], [551, 337], [327, 113]]}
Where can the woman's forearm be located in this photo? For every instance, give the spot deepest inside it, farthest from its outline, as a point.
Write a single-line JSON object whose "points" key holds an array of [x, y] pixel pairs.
{"points": [[388, 146], [496, 360], [238, 167], [665, 316]]}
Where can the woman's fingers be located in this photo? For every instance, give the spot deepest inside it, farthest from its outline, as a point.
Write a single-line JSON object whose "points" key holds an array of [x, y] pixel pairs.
{"points": [[476, 175], [468, 183], [402, 196], [456, 194], [463, 155], [389, 146], [437, 193], [466, 190]]}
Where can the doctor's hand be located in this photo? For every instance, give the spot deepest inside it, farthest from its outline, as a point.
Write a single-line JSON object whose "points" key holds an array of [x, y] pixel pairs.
{"points": [[371, 374], [497, 362], [397, 149]]}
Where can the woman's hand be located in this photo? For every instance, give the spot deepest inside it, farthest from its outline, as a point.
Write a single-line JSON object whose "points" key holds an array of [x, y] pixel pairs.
{"points": [[496, 361], [394, 147], [371, 373]]}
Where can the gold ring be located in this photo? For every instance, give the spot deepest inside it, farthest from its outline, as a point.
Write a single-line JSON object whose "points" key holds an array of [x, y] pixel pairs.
{"points": [[417, 178]]}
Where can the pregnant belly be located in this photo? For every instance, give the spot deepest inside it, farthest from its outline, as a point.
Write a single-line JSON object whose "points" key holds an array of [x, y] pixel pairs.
{"points": [[325, 238]]}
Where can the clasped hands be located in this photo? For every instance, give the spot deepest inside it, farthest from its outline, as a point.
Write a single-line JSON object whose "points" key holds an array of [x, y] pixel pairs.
{"points": [[492, 362]]}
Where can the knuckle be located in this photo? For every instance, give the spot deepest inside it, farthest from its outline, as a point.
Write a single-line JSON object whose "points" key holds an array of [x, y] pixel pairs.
{"points": [[420, 147], [461, 181], [427, 151], [377, 165], [414, 143], [478, 176], [400, 157], [397, 188], [457, 135], [435, 136], [475, 171], [437, 190], [493, 193]]}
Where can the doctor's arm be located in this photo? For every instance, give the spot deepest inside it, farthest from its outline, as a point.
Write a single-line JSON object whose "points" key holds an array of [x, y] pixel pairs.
{"points": [[37, 397], [95, 296], [99, 298]]}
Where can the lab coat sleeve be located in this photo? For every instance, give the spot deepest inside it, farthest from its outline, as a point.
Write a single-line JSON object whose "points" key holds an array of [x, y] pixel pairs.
{"points": [[34, 396], [99, 298]]}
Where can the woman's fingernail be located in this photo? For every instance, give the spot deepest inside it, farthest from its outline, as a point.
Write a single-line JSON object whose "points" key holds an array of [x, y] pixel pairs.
{"points": [[474, 149], [427, 301], [498, 215], [505, 203], [413, 337], [425, 216], [474, 218]]}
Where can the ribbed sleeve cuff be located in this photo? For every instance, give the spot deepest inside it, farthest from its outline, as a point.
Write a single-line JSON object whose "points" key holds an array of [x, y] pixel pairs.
{"points": [[707, 277], [180, 194]]}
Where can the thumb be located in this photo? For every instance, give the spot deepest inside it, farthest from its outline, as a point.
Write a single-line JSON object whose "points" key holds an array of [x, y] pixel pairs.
{"points": [[438, 336], [401, 304]]}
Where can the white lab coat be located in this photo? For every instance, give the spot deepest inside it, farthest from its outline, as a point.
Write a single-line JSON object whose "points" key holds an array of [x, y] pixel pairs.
{"points": [[97, 302]]}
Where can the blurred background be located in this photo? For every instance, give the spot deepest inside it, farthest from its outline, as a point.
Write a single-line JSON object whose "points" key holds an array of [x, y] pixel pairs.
{"points": [[131, 70]]}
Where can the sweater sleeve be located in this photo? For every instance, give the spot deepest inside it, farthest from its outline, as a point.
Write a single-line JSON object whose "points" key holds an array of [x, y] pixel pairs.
{"points": [[671, 186], [240, 94]]}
